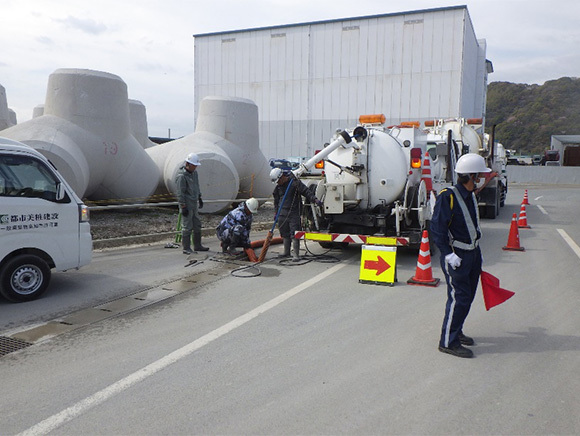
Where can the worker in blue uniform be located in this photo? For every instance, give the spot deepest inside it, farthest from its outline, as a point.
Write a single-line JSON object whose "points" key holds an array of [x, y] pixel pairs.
{"points": [[456, 232], [234, 229], [288, 195]]}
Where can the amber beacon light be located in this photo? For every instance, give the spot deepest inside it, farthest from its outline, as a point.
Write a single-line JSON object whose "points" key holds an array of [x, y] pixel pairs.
{"points": [[372, 119]]}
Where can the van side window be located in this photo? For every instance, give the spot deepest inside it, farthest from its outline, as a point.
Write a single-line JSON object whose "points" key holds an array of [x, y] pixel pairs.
{"points": [[24, 176]]}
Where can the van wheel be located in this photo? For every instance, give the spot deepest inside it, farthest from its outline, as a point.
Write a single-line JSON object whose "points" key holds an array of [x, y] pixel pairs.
{"points": [[24, 278]]}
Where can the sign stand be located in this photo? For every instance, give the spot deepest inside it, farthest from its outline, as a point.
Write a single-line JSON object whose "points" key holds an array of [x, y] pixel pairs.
{"points": [[378, 265]]}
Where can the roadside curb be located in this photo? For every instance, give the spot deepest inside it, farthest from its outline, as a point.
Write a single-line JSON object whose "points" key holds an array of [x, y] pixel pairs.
{"points": [[158, 237]]}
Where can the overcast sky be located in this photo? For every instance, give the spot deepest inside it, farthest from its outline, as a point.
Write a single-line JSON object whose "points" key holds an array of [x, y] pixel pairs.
{"points": [[149, 43]]}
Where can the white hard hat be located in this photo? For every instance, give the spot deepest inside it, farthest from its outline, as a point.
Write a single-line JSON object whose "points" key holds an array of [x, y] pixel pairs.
{"points": [[252, 204], [193, 159], [275, 174], [471, 163]]}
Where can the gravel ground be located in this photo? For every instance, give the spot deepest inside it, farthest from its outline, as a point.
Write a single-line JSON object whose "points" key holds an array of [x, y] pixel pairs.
{"points": [[123, 223]]}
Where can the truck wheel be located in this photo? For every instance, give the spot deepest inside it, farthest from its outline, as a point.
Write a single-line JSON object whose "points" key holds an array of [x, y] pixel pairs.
{"points": [[491, 211], [24, 278], [492, 208]]}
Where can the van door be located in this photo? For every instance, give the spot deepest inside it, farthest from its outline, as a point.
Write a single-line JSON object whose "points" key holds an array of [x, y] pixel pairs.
{"points": [[32, 215]]}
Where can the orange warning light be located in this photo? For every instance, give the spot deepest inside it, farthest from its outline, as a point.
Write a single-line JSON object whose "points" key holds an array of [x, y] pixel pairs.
{"points": [[372, 119]]}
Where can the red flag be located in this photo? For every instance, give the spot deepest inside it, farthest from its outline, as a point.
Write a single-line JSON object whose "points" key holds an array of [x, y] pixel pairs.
{"points": [[492, 293]]}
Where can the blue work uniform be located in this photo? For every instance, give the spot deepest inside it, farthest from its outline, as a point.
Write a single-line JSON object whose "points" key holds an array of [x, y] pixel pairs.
{"points": [[451, 232], [291, 210], [234, 229]]}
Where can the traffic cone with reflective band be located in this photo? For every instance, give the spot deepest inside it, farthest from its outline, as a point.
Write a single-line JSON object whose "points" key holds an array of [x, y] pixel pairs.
{"points": [[426, 174], [513, 243], [523, 219], [526, 202], [424, 273]]}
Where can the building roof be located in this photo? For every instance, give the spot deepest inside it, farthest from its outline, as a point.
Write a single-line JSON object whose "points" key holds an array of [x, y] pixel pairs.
{"points": [[366, 17], [567, 139]]}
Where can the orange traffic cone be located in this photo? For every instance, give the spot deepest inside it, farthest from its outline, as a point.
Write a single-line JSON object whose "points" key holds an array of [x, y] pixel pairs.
{"points": [[423, 273], [526, 202], [426, 174], [523, 219], [513, 243]]}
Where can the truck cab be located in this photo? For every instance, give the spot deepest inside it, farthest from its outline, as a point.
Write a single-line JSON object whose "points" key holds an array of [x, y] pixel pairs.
{"points": [[43, 224]]}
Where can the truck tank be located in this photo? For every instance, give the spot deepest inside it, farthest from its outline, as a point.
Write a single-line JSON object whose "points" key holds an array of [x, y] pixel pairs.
{"points": [[372, 184], [382, 176]]}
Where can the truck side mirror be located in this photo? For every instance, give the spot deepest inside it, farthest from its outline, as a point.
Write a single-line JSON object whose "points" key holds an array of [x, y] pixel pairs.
{"points": [[59, 191]]}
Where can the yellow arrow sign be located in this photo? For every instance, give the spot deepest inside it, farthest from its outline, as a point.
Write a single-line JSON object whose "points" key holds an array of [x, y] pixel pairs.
{"points": [[378, 264]]}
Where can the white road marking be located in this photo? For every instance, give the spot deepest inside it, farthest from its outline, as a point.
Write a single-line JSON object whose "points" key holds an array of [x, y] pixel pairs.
{"points": [[103, 395], [570, 242], [542, 210], [537, 198]]}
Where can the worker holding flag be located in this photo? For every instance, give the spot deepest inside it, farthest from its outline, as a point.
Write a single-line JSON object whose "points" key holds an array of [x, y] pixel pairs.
{"points": [[456, 232]]}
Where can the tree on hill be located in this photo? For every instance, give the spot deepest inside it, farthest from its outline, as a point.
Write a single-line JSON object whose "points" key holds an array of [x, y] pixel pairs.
{"points": [[526, 116]]}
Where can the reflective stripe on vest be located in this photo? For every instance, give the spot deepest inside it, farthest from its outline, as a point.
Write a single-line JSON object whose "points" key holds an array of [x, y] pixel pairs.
{"points": [[468, 222]]}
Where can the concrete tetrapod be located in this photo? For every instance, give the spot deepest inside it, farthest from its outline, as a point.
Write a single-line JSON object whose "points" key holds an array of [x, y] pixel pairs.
{"points": [[85, 131]]}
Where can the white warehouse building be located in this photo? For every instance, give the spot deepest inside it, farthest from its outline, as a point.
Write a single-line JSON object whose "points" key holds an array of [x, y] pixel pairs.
{"points": [[310, 79]]}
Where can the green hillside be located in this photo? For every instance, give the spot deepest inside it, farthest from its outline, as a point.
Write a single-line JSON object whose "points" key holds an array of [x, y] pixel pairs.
{"points": [[526, 116]]}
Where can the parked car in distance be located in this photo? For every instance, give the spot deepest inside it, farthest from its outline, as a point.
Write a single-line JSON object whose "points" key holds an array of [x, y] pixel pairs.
{"points": [[550, 156]]}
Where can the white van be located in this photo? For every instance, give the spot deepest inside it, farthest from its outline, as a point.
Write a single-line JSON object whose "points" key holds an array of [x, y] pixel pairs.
{"points": [[43, 224]]}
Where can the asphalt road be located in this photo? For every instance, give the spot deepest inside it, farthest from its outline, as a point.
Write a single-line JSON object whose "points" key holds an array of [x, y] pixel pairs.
{"points": [[303, 349]]}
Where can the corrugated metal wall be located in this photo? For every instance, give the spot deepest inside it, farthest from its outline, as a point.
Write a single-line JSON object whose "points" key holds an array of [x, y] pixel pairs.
{"points": [[310, 79]]}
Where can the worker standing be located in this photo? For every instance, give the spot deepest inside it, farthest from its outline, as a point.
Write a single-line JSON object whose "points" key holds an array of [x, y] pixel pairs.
{"points": [[189, 198], [456, 232], [290, 190], [234, 229]]}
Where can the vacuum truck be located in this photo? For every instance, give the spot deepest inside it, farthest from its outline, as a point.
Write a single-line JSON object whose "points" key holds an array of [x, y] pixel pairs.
{"points": [[448, 139], [371, 183], [373, 179]]}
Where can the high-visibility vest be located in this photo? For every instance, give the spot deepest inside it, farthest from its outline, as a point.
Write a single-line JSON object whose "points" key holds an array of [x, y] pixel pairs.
{"points": [[468, 222]]}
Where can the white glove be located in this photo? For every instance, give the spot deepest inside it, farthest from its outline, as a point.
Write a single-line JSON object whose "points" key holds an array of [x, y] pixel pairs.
{"points": [[453, 260]]}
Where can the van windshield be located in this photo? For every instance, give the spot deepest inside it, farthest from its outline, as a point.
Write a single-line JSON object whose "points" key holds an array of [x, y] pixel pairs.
{"points": [[24, 176]]}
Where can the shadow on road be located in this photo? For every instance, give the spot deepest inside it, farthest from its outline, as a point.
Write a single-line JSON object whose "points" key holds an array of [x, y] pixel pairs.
{"points": [[535, 340]]}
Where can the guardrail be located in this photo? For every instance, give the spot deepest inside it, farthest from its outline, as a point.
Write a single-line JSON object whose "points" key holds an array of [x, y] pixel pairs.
{"points": [[543, 174], [161, 204]]}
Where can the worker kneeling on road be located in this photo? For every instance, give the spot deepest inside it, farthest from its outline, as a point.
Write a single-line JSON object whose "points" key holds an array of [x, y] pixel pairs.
{"points": [[288, 200], [456, 232], [234, 229]]}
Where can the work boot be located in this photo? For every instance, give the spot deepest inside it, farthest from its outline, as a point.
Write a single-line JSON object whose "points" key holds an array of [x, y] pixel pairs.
{"points": [[197, 243], [224, 246], [232, 250], [295, 250], [465, 340], [458, 350], [186, 242], [286, 242]]}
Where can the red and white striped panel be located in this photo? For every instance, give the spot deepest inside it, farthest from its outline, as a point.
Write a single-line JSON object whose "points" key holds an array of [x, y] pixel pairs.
{"points": [[352, 239]]}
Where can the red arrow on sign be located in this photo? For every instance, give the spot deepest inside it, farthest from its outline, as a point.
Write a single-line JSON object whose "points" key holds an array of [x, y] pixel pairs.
{"points": [[380, 265]]}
